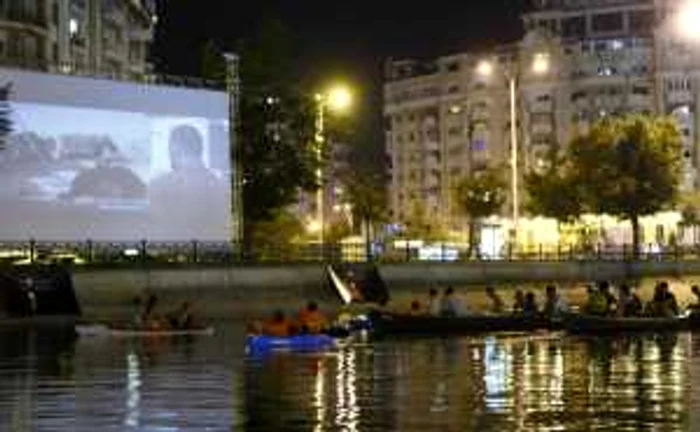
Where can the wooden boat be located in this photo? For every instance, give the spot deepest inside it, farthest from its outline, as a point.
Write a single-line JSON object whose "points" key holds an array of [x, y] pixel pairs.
{"points": [[581, 323], [392, 323], [105, 330]]}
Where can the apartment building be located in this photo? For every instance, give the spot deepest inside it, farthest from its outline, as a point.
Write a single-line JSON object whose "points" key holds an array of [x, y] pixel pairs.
{"points": [[446, 119], [91, 37]]}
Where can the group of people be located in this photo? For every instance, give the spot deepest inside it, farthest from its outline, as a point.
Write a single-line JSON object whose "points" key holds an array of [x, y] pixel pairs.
{"points": [[310, 320], [146, 316], [602, 302], [525, 304]]}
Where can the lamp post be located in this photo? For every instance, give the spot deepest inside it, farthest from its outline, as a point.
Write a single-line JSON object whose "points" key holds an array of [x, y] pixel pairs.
{"points": [[338, 100], [540, 66]]}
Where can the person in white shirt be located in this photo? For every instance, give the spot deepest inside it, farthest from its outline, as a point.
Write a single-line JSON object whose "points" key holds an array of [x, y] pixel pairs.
{"points": [[451, 306], [433, 303]]}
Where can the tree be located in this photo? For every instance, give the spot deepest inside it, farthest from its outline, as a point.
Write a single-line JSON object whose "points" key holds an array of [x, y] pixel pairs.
{"points": [[212, 63], [276, 127], [366, 193], [277, 238], [479, 196], [419, 224], [553, 193], [624, 166]]}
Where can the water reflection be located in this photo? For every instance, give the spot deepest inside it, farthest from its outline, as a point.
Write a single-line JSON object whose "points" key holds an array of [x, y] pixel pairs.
{"points": [[48, 381], [495, 383]]}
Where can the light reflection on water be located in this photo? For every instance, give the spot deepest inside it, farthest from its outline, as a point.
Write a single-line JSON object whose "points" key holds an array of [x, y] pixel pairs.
{"points": [[543, 382]]}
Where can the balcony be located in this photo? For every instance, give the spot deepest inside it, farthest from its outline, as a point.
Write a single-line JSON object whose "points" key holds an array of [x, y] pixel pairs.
{"points": [[35, 18]]}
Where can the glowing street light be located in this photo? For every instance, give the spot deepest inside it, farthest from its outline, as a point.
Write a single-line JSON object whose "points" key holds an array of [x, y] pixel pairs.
{"points": [[540, 66], [337, 99], [485, 68], [687, 19]]}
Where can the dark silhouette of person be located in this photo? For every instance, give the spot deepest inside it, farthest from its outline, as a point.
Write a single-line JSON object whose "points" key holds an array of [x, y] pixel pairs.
{"points": [[108, 179], [189, 202]]}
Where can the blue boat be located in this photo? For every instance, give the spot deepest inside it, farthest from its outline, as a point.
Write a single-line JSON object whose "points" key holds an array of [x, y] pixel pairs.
{"points": [[257, 344]]}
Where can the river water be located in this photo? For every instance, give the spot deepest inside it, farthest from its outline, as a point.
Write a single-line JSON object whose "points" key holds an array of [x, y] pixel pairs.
{"points": [[50, 381]]}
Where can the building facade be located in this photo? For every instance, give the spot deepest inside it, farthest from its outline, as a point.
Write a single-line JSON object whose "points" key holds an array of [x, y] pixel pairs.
{"points": [[92, 37], [445, 120]]}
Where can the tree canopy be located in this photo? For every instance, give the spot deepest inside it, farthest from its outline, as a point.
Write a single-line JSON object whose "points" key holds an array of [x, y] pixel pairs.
{"points": [[276, 127], [626, 166], [479, 196], [553, 192]]}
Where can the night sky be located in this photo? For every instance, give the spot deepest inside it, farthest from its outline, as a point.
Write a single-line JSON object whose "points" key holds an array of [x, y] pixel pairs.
{"points": [[349, 39]]}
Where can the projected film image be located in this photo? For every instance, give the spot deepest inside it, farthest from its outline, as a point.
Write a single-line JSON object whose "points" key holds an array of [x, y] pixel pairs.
{"points": [[73, 171]]}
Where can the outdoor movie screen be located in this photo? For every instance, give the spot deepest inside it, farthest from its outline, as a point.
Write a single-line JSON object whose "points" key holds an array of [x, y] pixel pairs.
{"points": [[105, 160]]}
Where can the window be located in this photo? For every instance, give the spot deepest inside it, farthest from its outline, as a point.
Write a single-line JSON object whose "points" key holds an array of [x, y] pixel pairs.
{"points": [[607, 71], [573, 27], [453, 66], [454, 131], [609, 22], [577, 95], [640, 90], [544, 98], [479, 145], [454, 88], [642, 21]]}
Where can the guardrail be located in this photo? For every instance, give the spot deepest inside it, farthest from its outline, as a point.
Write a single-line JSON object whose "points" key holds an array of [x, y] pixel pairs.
{"points": [[105, 253]]}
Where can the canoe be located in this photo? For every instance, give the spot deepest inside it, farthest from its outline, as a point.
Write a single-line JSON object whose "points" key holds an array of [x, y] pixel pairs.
{"points": [[257, 344], [391, 323], [580, 323], [104, 330]]}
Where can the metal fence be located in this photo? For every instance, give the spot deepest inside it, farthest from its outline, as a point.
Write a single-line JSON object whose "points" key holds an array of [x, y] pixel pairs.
{"points": [[104, 253]]}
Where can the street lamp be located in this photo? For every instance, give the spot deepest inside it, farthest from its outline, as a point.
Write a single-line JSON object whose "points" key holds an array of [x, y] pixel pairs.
{"points": [[687, 20], [337, 99], [540, 66]]}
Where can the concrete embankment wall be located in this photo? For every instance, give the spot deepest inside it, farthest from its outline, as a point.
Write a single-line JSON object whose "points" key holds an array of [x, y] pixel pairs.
{"points": [[247, 291]]}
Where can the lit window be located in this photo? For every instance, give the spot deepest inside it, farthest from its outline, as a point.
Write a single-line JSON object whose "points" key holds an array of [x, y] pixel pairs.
{"points": [[73, 26]]}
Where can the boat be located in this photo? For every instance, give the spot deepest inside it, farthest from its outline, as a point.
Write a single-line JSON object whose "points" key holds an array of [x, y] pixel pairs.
{"points": [[393, 323], [106, 330], [582, 323], [306, 342]]}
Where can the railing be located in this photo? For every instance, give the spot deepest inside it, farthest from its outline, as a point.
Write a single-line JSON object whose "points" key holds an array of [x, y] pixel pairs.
{"points": [[128, 75], [115, 254]]}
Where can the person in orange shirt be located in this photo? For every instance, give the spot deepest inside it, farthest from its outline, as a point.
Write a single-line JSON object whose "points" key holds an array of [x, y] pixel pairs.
{"points": [[311, 319], [278, 326]]}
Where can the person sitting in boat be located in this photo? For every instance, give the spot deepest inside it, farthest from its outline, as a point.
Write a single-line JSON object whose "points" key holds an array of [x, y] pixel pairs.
{"points": [[696, 292], [497, 304], [664, 304], [554, 304], [181, 318], [415, 308], [137, 313], [450, 305], [518, 302], [149, 319], [629, 303], [530, 308], [278, 325], [600, 302], [433, 303], [355, 293], [312, 320]]}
